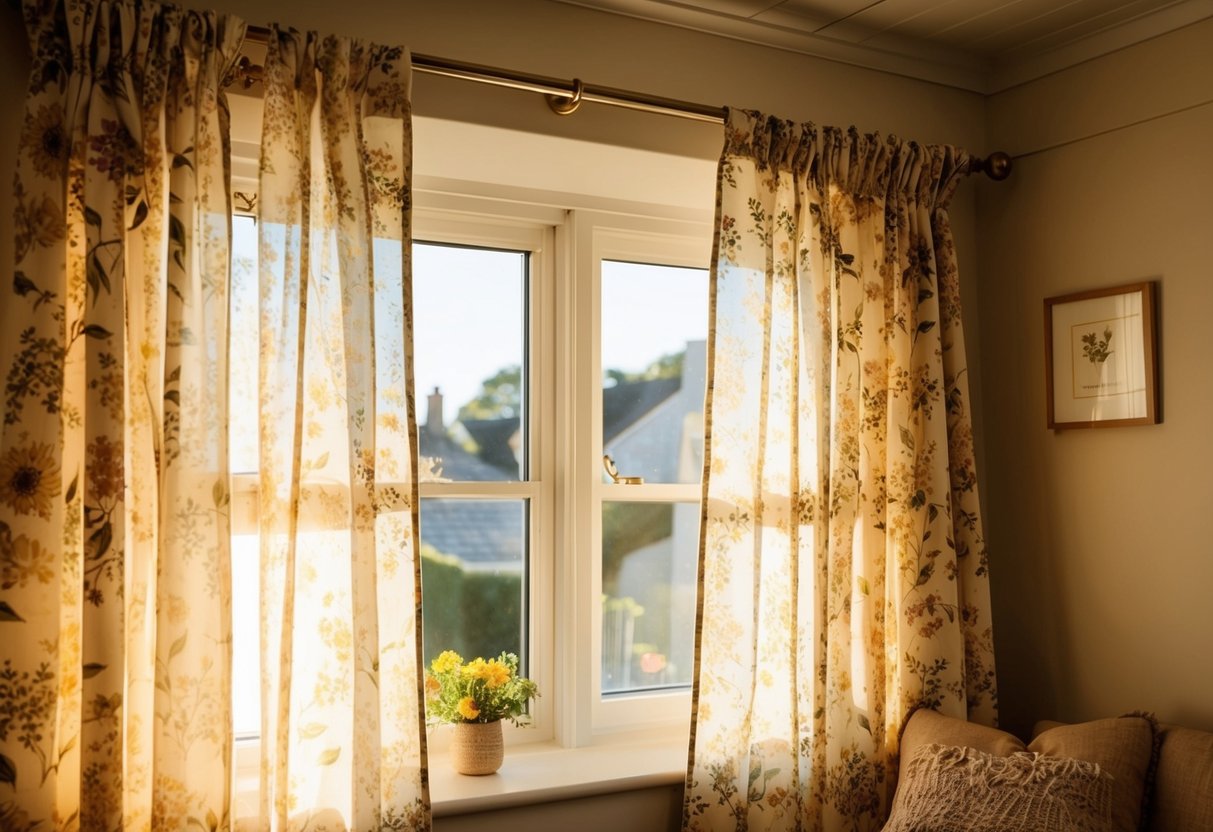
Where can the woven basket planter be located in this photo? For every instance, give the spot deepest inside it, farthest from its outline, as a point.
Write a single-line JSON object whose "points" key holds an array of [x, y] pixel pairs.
{"points": [[477, 747]]}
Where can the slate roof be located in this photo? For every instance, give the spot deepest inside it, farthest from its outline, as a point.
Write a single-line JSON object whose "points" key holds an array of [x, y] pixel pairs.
{"points": [[493, 438], [625, 403], [457, 464], [478, 532]]}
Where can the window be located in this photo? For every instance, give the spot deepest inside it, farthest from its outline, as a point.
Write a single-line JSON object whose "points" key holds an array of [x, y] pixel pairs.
{"points": [[545, 340], [471, 373], [642, 341], [653, 350], [481, 287]]}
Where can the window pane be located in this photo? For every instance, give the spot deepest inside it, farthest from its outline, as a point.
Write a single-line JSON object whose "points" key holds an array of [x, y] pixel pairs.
{"points": [[473, 557], [649, 555], [469, 330], [246, 635], [654, 337], [244, 348]]}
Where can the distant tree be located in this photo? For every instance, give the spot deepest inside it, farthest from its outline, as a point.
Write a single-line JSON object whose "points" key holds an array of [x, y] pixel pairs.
{"points": [[500, 396], [667, 366]]}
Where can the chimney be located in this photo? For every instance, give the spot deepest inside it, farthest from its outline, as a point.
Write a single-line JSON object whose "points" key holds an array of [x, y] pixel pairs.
{"points": [[434, 425]]}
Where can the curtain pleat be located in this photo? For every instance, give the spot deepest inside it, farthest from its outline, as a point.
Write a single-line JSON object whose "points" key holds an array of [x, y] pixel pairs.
{"points": [[343, 744], [843, 574], [114, 532]]}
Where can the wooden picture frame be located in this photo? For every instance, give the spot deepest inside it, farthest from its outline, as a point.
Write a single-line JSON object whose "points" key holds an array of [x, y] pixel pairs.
{"points": [[1101, 358]]}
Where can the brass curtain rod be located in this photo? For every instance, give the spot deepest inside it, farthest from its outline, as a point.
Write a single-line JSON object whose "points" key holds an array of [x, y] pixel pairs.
{"points": [[565, 97]]}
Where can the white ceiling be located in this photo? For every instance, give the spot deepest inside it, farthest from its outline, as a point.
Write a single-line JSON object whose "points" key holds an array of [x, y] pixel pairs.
{"points": [[982, 45]]}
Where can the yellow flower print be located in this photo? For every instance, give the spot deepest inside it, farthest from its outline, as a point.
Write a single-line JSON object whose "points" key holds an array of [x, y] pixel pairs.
{"points": [[29, 479], [38, 223], [468, 709], [46, 141], [23, 561], [447, 661]]}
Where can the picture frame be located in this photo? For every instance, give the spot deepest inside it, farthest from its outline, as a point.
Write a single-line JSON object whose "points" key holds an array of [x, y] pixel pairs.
{"points": [[1101, 358]]}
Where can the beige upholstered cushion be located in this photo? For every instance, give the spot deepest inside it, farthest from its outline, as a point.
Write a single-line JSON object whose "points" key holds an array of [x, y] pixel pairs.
{"points": [[958, 789], [1122, 746], [1183, 784], [926, 726]]}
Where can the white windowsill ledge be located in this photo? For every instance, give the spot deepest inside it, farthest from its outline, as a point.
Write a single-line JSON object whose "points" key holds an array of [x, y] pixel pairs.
{"points": [[545, 772]]}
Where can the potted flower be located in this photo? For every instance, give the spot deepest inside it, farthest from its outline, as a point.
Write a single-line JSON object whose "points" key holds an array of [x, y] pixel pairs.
{"points": [[475, 697]]}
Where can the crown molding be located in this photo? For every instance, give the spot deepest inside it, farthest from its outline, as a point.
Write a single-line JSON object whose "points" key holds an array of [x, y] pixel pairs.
{"points": [[907, 56]]}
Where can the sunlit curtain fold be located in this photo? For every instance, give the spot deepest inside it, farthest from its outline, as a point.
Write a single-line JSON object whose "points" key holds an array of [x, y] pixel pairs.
{"points": [[342, 718], [843, 568], [114, 531]]}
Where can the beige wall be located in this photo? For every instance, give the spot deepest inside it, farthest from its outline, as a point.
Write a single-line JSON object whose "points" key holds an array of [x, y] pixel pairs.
{"points": [[1101, 545]]}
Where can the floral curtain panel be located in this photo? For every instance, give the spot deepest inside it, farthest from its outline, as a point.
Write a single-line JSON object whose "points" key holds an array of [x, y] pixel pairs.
{"points": [[114, 533], [343, 743], [843, 571]]}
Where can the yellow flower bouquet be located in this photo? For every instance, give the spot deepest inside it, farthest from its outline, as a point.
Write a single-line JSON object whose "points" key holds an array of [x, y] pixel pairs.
{"points": [[479, 691]]}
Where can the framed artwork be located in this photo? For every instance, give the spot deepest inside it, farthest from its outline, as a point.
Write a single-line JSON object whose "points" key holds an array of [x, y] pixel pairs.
{"points": [[1101, 358]]}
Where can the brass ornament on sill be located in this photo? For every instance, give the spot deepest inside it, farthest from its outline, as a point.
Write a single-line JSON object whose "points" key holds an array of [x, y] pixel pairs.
{"points": [[613, 473]]}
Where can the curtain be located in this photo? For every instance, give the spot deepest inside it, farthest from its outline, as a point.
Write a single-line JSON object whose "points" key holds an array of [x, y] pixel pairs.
{"points": [[343, 742], [114, 532], [843, 575]]}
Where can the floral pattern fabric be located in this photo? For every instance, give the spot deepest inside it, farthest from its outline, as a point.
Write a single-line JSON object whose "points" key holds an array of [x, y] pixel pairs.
{"points": [[114, 531], [843, 567], [343, 743]]}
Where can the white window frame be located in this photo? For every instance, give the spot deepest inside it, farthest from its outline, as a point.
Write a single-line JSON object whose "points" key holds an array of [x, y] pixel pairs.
{"points": [[597, 236], [529, 229]]}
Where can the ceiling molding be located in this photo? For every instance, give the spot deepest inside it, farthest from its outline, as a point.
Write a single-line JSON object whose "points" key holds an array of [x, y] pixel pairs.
{"points": [[1012, 73], [922, 59]]}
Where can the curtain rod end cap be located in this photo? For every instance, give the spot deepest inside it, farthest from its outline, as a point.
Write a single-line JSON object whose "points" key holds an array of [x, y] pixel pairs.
{"points": [[997, 165]]}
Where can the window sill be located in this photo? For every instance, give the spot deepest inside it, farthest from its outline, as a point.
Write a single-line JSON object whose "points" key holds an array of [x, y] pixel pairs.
{"points": [[545, 772]]}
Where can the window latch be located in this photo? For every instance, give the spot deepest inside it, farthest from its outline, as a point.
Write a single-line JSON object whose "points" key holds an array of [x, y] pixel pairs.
{"points": [[613, 473]]}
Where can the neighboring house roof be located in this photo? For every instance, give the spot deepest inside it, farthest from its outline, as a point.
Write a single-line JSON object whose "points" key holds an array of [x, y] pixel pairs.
{"points": [[454, 463], [486, 533], [478, 532], [494, 440], [625, 403]]}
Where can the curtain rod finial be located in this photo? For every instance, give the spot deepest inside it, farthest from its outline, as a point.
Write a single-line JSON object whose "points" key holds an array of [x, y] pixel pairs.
{"points": [[997, 165]]}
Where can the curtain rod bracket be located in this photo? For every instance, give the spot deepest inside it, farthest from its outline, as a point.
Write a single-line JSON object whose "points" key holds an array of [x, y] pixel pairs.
{"points": [[563, 105]]}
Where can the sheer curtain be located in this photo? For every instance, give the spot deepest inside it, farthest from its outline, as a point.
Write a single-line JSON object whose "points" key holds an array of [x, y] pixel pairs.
{"points": [[114, 534], [843, 577], [343, 743]]}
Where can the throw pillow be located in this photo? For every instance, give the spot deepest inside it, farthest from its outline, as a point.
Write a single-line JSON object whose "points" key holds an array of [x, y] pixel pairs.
{"points": [[1122, 746], [958, 789]]}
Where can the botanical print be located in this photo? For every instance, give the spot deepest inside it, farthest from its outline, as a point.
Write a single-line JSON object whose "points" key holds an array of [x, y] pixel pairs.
{"points": [[843, 567], [1100, 357], [1095, 349], [114, 694], [343, 740]]}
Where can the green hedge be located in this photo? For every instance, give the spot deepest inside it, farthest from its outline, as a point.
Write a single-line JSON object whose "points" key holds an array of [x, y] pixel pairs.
{"points": [[472, 613]]}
